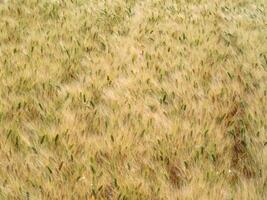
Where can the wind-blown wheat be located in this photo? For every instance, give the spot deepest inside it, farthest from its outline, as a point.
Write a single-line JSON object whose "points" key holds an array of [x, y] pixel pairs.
{"points": [[133, 99]]}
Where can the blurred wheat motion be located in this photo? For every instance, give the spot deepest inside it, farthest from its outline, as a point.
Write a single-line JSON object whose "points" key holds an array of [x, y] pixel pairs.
{"points": [[133, 99]]}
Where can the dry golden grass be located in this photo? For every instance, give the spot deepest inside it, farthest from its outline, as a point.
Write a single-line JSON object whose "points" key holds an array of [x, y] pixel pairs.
{"points": [[133, 99]]}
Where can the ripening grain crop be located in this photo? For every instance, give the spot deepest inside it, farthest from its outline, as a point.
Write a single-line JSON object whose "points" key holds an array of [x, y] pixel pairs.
{"points": [[133, 99]]}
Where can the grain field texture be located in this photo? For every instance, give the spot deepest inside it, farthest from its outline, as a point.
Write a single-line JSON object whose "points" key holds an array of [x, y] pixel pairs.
{"points": [[133, 99]]}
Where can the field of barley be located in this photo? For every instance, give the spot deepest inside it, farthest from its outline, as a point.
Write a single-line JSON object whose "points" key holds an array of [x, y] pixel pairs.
{"points": [[133, 99]]}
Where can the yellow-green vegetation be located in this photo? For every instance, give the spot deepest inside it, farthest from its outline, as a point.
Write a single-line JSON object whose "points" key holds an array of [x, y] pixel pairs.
{"points": [[133, 99]]}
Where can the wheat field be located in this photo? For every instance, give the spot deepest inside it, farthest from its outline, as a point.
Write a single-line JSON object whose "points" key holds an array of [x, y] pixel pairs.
{"points": [[133, 99]]}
